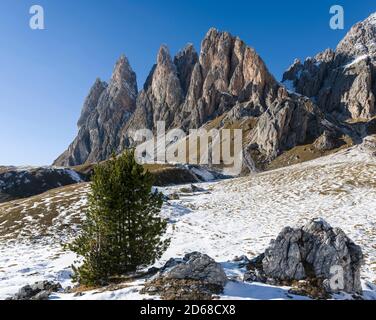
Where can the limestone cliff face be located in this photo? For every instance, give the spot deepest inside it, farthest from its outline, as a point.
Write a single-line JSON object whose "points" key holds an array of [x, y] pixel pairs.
{"points": [[228, 79], [228, 71], [342, 82], [235, 82]]}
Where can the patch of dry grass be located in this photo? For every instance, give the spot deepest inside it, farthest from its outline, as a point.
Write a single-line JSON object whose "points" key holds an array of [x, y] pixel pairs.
{"points": [[35, 216], [304, 153]]}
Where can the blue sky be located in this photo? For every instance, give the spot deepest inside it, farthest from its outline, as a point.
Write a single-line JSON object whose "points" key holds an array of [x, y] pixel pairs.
{"points": [[46, 74]]}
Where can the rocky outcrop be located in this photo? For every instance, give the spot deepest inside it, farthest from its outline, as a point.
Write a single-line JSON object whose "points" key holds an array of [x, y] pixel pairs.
{"points": [[329, 140], [316, 252], [341, 82], [229, 81], [106, 111], [37, 291], [19, 182], [290, 121], [195, 277]]}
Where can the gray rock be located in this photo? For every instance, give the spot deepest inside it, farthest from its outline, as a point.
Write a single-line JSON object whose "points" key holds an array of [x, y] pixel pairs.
{"points": [[255, 272], [46, 285], [26, 292], [43, 295], [195, 277], [241, 259], [67, 289], [152, 271], [311, 252], [255, 275], [201, 267], [287, 123], [38, 291], [197, 189], [185, 62]]}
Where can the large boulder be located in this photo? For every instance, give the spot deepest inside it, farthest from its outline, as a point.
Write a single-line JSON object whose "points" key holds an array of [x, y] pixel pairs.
{"points": [[315, 251], [197, 266], [195, 277]]}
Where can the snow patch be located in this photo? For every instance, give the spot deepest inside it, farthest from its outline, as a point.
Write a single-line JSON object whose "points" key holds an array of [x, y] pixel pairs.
{"points": [[356, 60], [74, 175], [202, 173]]}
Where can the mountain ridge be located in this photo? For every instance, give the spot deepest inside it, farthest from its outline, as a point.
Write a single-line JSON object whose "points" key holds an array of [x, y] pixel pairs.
{"points": [[228, 80], [187, 91]]}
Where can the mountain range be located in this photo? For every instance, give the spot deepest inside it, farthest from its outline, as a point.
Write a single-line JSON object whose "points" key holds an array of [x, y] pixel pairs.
{"points": [[323, 103]]}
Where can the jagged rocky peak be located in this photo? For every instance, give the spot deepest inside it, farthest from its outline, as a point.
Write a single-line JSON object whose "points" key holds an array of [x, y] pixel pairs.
{"points": [[232, 79], [91, 100], [342, 82], [123, 75], [231, 63], [215, 56], [185, 61], [307, 78], [166, 88], [106, 111], [162, 94], [164, 56], [123, 84]]}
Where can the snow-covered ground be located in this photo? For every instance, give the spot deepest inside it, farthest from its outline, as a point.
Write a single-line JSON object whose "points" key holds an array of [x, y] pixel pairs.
{"points": [[232, 218]]}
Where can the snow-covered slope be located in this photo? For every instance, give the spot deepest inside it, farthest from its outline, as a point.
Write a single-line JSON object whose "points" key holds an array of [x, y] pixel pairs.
{"points": [[228, 218]]}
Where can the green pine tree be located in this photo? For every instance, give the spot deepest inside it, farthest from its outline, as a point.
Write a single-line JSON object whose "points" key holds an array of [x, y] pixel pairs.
{"points": [[123, 229]]}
